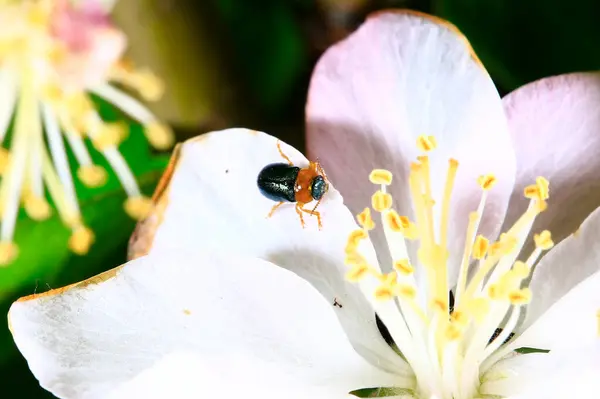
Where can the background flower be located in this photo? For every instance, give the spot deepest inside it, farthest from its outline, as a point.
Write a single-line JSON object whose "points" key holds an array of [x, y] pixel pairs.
{"points": [[227, 65]]}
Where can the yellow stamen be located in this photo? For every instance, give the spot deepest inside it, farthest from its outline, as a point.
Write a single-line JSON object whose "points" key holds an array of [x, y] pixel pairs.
{"points": [[462, 275], [381, 176], [543, 187], [426, 143], [453, 332], [384, 293], [539, 191], [520, 297], [365, 220], [36, 207], [401, 224], [452, 169], [543, 240], [404, 267], [4, 159], [92, 175], [478, 308], [81, 240], [521, 269], [480, 247], [109, 135], [8, 252], [138, 207], [406, 292], [487, 181], [353, 259], [357, 273], [159, 135], [354, 240], [381, 201]]}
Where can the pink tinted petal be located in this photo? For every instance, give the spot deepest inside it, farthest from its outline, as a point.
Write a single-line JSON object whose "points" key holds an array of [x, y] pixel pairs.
{"points": [[91, 42], [401, 75], [74, 25], [555, 124]]}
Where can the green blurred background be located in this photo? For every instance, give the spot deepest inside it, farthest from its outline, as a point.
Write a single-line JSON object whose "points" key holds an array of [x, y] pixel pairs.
{"points": [[247, 63]]}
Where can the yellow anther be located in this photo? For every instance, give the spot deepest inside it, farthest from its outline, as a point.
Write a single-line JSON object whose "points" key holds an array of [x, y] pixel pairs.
{"points": [[354, 240], [151, 88], [543, 187], [487, 181], [539, 191], [459, 318], [381, 201], [138, 207], [357, 273], [4, 159], [365, 220], [381, 176], [521, 270], [36, 207], [426, 143], [439, 305], [543, 240], [478, 308], [52, 93], [160, 135], [401, 224], [404, 267], [110, 134], [504, 246], [92, 175], [453, 332], [497, 291], [388, 278], [406, 292], [81, 240], [384, 293], [38, 17], [480, 247], [353, 259], [8, 252], [520, 297]]}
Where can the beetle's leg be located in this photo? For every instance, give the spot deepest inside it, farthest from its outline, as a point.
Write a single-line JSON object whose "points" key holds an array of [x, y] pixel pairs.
{"points": [[282, 154], [312, 212], [274, 209], [299, 210]]}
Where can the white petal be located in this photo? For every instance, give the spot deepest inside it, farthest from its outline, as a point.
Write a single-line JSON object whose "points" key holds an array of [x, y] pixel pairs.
{"points": [[559, 374], [209, 198], [571, 261], [87, 339], [565, 374], [570, 322], [399, 76], [184, 375]]}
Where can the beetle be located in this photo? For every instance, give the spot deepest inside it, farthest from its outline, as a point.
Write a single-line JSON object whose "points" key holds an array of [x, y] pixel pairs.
{"points": [[285, 182]]}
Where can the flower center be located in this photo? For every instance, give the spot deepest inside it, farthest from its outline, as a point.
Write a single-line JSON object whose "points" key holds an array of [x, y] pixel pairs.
{"points": [[447, 350], [52, 53]]}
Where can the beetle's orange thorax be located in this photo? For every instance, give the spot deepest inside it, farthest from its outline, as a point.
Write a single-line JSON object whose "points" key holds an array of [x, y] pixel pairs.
{"points": [[303, 184]]}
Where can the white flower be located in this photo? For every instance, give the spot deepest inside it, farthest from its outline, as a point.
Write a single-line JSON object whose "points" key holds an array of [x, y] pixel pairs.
{"points": [[232, 304], [53, 54]]}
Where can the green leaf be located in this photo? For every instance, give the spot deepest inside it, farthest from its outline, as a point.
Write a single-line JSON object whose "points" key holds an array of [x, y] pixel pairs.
{"points": [[268, 48], [522, 41]]}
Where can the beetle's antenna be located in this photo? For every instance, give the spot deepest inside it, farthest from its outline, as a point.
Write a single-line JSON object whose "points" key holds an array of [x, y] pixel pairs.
{"points": [[315, 208]]}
